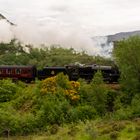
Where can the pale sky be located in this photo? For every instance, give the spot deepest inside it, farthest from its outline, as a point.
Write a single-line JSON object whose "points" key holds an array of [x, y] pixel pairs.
{"points": [[97, 17], [65, 19]]}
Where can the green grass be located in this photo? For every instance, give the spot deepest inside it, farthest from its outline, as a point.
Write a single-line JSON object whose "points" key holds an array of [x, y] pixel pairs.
{"points": [[91, 130]]}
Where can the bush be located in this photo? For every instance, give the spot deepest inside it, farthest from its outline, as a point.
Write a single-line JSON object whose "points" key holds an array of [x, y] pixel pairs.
{"points": [[99, 93], [7, 90], [9, 121], [95, 94], [69, 89], [63, 81], [137, 137], [114, 135], [82, 113], [54, 109], [28, 124], [129, 62], [110, 100], [135, 105], [123, 114]]}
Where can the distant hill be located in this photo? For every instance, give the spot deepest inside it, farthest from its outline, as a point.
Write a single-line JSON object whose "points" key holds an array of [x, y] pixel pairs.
{"points": [[122, 35], [4, 18], [105, 43]]}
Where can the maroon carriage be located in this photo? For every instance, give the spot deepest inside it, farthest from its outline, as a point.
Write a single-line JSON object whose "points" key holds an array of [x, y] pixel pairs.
{"points": [[23, 73]]}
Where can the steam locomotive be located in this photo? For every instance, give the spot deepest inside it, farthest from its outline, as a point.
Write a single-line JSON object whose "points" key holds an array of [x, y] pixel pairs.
{"points": [[74, 72]]}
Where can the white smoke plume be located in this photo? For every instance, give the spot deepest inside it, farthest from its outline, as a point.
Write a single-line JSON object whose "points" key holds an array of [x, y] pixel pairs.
{"points": [[50, 33], [68, 23]]}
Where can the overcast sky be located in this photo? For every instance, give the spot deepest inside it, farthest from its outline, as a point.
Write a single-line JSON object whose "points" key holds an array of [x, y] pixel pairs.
{"points": [[97, 17], [70, 18]]}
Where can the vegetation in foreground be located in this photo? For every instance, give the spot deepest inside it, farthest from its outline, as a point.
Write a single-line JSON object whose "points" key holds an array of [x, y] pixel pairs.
{"points": [[54, 101], [63, 109], [57, 103], [89, 130]]}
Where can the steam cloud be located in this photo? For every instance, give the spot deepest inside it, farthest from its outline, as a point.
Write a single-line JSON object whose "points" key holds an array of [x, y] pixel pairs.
{"points": [[48, 34]]}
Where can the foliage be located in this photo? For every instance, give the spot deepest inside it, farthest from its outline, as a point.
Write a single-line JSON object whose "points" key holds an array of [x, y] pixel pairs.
{"points": [[48, 85], [14, 53], [56, 101], [99, 93], [36, 107], [60, 82], [46, 105], [135, 106], [9, 121], [95, 94], [126, 54], [128, 111], [7, 90], [88, 130], [82, 113]]}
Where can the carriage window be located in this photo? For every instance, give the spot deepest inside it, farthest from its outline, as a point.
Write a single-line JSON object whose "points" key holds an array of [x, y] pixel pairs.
{"points": [[9, 71], [18, 71], [1, 71], [29, 71]]}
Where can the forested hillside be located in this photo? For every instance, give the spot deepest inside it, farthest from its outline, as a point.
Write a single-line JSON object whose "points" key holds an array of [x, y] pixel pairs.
{"points": [[15, 53]]}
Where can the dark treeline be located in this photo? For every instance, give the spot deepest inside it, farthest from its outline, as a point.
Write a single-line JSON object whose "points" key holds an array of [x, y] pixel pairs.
{"points": [[14, 53]]}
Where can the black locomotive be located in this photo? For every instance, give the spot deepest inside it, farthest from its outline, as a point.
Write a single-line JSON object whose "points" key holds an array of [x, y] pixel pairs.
{"points": [[74, 72]]}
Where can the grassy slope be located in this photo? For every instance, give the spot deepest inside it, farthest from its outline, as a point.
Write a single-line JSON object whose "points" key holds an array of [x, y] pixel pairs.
{"points": [[98, 130], [90, 130]]}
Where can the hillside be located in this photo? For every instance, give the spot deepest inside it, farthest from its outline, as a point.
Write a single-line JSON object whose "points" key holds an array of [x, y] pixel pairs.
{"points": [[105, 43], [122, 35]]}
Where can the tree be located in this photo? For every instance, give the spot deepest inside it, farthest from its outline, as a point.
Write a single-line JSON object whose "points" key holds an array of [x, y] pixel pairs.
{"points": [[15, 53], [127, 57]]}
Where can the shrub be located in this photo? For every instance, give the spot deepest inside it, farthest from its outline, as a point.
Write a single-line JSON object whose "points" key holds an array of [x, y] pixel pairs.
{"points": [[123, 114], [7, 90], [135, 105], [82, 113], [28, 124], [110, 100], [70, 89], [48, 85], [95, 94], [63, 81], [118, 126], [54, 109], [114, 135], [128, 62], [9, 121], [137, 137]]}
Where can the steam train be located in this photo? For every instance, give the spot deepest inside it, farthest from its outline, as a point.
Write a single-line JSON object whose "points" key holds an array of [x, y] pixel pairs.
{"points": [[74, 72]]}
